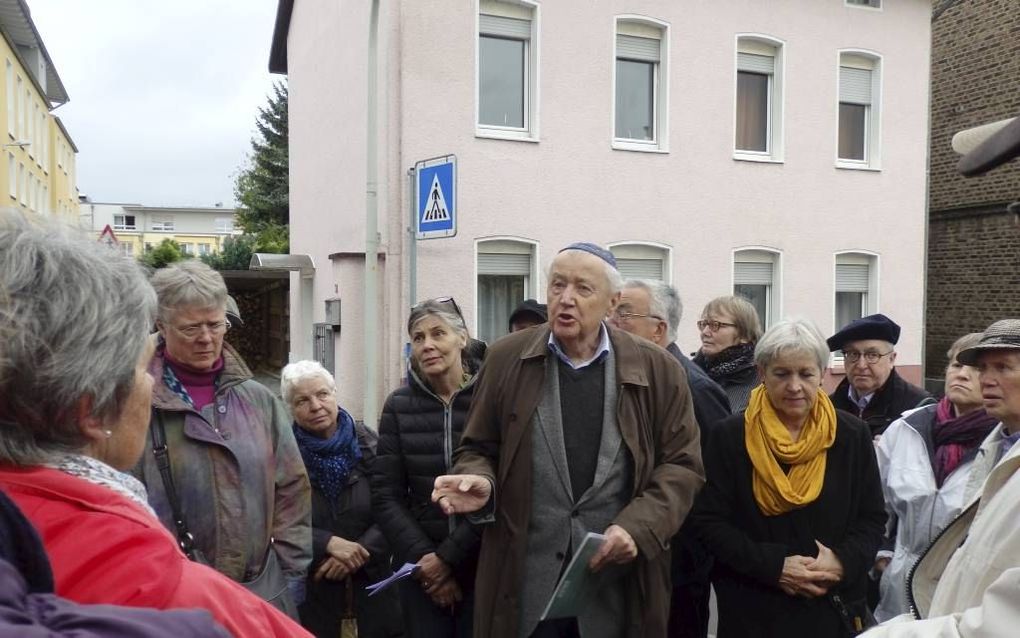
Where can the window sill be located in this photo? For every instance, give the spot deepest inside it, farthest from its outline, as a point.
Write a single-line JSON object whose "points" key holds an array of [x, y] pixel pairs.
{"points": [[512, 136], [762, 159], [857, 166], [641, 147]]}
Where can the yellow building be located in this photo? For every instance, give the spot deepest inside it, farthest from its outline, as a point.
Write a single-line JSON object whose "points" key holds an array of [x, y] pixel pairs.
{"points": [[37, 148]]}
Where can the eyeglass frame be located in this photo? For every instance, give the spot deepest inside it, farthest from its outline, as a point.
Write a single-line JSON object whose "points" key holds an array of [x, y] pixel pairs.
{"points": [[712, 325], [871, 357], [215, 328]]}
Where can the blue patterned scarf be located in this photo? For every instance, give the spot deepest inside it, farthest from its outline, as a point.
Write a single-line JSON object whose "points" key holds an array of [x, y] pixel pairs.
{"points": [[329, 461]]}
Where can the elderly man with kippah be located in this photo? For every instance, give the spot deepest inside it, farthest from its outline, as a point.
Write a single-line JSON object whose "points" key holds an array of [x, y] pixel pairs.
{"points": [[576, 427], [966, 583], [872, 389]]}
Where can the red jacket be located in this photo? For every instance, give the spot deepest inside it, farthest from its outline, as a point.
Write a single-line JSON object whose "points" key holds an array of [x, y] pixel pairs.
{"points": [[106, 549]]}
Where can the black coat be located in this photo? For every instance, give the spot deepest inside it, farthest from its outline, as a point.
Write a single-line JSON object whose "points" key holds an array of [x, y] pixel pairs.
{"points": [[895, 397], [749, 547], [417, 436], [351, 519]]}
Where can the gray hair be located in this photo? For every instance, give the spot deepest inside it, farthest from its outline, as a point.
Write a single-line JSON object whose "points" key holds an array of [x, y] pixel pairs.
{"points": [[613, 276], [791, 335], [75, 317], [664, 301], [295, 373], [440, 310], [188, 284]]}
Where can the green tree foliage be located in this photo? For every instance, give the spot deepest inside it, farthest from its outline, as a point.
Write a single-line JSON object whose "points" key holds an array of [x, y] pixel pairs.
{"points": [[235, 254], [261, 186], [167, 252]]}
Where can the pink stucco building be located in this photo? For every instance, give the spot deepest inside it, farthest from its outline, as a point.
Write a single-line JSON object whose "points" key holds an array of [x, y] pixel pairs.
{"points": [[776, 149]]}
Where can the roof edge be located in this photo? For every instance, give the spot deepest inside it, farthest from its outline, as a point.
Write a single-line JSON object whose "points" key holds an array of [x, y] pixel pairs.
{"points": [[63, 129]]}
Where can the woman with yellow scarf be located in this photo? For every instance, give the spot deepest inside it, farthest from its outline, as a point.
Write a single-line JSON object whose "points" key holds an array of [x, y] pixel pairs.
{"points": [[792, 508]]}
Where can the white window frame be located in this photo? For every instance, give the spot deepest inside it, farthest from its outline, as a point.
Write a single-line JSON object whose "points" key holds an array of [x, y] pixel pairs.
{"points": [[22, 184], [640, 249], [871, 61], [521, 10], [762, 254], [224, 224], [533, 286], [854, 5], [634, 24], [12, 176], [12, 116], [162, 224], [204, 248], [762, 44], [872, 305], [123, 225], [127, 248]]}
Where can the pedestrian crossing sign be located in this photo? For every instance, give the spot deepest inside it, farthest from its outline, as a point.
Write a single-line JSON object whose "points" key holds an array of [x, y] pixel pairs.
{"points": [[436, 197]]}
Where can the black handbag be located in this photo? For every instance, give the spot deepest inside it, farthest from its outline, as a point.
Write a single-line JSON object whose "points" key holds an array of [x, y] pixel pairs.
{"points": [[270, 584], [856, 616]]}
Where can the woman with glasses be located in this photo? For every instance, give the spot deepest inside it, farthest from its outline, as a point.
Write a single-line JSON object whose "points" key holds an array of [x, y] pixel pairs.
{"points": [[730, 328], [928, 460], [236, 478], [792, 506], [420, 427]]}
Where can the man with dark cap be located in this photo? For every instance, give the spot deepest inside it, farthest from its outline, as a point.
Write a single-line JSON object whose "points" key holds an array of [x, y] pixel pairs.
{"points": [[872, 389], [576, 427], [528, 313]]}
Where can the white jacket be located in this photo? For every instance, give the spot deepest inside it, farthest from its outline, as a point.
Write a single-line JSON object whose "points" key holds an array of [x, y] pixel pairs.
{"points": [[966, 585], [918, 509]]}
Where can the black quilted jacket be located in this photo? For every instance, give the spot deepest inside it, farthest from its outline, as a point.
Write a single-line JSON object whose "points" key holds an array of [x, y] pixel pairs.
{"points": [[417, 436]]}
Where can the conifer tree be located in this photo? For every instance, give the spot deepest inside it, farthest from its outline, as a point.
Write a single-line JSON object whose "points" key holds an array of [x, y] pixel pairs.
{"points": [[261, 186]]}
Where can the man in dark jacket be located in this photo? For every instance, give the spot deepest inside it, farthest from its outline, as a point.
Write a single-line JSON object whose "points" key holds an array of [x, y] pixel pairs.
{"points": [[872, 390], [601, 423], [652, 309]]}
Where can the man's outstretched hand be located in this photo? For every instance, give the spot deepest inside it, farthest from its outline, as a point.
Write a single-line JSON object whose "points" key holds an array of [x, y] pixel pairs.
{"points": [[461, 493]]}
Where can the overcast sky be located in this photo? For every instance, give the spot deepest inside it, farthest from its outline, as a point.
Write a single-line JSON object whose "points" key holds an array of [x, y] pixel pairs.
{"points": [[164, 94]]}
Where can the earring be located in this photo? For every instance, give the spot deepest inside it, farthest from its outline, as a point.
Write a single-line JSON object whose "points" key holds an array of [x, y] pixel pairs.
{"points": [[107, 433]]}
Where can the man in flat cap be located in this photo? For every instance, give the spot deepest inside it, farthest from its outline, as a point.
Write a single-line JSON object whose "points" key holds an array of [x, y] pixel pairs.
{"points": [[576, 427], [527, 313], [872, 390], [966, 583]]}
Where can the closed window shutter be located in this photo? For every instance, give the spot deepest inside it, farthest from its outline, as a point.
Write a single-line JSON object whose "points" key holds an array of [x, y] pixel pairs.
{"points": [[504, 27], [851, 278], [764, 64], [504, 264], [640, 268], [752, 273], [631, 47], [854, 85]]}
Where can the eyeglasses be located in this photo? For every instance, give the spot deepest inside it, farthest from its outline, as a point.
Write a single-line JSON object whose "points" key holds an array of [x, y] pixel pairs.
{"points": [[623, 315], [852, 356], [193, 331], [714, 326], [440, 301]]}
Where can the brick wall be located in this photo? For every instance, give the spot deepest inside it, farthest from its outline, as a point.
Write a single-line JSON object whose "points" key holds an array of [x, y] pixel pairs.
{"points": [[975, 79], [973, 244]]}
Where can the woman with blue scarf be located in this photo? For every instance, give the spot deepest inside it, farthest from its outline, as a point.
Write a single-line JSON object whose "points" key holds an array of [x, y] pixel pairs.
{"points": [[348, 550]]}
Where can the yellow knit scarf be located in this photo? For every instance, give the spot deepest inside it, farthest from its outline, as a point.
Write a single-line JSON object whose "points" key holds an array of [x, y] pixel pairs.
{"points": [[769, 444]]}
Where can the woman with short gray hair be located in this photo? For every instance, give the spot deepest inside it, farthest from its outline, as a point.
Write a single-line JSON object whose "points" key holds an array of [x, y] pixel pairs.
{"points": [[792, 507], [420, 427], [236, 483], [74, 413], [349, 552]]}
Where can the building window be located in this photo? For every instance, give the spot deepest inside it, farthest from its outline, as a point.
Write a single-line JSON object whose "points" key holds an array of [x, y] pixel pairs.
{"points": [[124, 222], [639, 82], [33, 130], [127, 248], [11, 114], [858, 111], [224, 224], [759, 99], [12, 176], [507, 69], [20, 99], [188, 249], [163, 223], [148, 246], [855, 281], [642, 261], [22, 188], [873, 4], [204, 249], [505, 279], [755, 278]]}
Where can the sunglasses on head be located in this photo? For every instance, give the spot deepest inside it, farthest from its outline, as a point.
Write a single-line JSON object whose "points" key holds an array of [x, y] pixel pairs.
{"points": [[449, 302]]}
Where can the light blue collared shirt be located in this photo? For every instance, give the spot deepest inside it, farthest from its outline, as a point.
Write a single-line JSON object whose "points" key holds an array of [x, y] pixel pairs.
{"points": [[604, 347], [860, 402]]}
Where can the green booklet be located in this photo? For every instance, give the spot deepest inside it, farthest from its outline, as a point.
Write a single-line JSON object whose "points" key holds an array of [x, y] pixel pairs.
{"points": [[578, 582]]}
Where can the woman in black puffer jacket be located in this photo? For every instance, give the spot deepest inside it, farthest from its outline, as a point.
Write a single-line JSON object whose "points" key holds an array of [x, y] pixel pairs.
{"points": [[419, 429]]}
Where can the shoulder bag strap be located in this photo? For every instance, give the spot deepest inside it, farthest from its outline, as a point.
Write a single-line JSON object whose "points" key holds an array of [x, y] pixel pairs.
{"points": [[159, 450]]}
